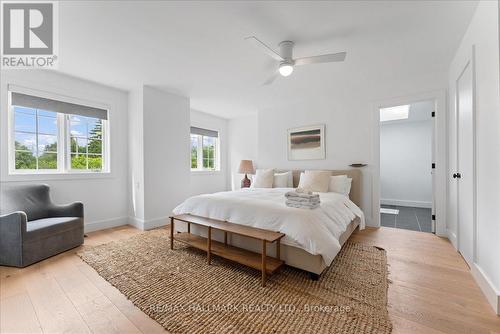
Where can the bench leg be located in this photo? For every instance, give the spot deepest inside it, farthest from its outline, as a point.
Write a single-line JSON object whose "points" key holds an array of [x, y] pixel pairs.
{"points": [[278, 253], [264, 257], [209, 246], [225, 238], [172, 233]]}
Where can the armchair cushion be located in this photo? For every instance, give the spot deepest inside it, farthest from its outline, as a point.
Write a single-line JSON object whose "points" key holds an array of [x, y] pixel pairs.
{"points": [[70, 210], [46, 227], [34, 200]]}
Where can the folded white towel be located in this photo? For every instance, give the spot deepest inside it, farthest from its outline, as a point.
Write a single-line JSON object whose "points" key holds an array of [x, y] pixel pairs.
{"points": [[303, 199], [295, 194], [299, 205], [303, 191]]}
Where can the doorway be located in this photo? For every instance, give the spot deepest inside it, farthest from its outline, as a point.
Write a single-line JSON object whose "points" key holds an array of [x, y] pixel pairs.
{"points": [[406, 166]]}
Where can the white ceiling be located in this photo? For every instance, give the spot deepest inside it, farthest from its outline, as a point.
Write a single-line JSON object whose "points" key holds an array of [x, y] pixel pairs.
{"points": [[197, 49]]}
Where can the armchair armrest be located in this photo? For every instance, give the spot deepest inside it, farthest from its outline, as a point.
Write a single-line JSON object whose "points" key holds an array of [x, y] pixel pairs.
{"points": [[12, 229], [13, 221], [69, 210]]}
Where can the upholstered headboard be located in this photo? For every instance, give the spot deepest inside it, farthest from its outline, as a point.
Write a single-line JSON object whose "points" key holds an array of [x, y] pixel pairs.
{"points": [[355, 174]]}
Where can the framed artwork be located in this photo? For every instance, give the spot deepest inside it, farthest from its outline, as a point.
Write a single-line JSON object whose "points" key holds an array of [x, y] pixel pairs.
{"points": [[307, 143]]}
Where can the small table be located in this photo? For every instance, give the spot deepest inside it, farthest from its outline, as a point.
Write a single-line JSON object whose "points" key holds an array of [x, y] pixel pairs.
{"points": [[267, 265]]}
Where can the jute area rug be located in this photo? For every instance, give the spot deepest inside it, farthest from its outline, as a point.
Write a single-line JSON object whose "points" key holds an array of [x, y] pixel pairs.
{"points": [[185, 295]]}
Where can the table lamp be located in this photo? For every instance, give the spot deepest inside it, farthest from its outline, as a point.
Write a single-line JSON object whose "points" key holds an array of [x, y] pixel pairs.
{"points": [[246, 167]]}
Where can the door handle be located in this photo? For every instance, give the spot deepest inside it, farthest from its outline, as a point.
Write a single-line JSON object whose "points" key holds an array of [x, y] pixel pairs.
{"points": [[457, 175]]}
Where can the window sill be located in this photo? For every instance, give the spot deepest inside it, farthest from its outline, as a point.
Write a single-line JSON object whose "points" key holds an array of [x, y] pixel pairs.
{"points": [[48, 176], [205, 172]]}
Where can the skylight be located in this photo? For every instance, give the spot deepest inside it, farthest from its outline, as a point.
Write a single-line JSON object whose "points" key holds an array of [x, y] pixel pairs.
{"points": [[394, 113]]}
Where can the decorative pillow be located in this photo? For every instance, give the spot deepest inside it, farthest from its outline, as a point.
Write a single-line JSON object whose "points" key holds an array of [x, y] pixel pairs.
{"points": [[317, 181], [340, 184], [301, 179], [283, 180], [263, 178]]}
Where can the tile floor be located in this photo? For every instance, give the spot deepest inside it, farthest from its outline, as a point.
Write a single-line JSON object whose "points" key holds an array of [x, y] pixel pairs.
{"points": [[409, 218]]}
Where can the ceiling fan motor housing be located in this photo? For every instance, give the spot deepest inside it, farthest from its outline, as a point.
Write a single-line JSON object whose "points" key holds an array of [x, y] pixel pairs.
{"points": [[286, 51]]}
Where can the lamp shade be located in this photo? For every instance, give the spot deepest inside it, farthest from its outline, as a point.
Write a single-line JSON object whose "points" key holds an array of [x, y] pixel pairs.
{"points": [[246, 167]]}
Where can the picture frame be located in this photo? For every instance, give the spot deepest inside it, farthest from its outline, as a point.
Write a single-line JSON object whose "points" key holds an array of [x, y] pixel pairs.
{"points": [[306, 143]]}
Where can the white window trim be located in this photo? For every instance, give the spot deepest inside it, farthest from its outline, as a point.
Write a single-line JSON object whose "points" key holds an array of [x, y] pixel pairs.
{"points": [[199, 157], [63, 170]]}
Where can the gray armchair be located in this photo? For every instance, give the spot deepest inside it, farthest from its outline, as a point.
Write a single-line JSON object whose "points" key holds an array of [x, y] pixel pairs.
{"points": [[32, 228]]}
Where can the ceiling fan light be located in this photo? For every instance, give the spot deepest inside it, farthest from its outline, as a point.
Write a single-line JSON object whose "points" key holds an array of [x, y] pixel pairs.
{"points": [[286, 69]]}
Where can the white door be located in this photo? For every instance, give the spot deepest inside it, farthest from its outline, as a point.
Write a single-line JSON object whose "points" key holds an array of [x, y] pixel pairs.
{"points": [[464, 175]]}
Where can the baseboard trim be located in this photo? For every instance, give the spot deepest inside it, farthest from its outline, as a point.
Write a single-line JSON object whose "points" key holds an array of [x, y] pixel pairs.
{"points": [[157, 222], [488, 289], [453, 238], [400, 202], [148, 224], [369, 222], [105, 224], [136, 222]]}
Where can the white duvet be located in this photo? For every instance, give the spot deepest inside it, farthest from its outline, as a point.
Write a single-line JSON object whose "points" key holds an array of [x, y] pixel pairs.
{"points": [[317, 231]]}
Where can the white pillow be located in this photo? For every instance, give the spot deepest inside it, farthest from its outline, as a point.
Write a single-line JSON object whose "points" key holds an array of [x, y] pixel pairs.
{"points": [[283, 180], [348, 186], [337, 184], [317, 181], [263, 178], [340, 184]]}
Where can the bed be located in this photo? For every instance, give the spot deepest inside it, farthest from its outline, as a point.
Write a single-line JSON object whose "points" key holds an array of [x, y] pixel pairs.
{"points": [[313, 237]]}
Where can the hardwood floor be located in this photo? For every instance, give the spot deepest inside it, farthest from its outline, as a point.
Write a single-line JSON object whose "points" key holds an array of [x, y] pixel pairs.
{"points": [[432, 291]]}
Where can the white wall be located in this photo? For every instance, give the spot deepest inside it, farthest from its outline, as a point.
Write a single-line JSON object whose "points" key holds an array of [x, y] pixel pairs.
{"points": [[166, 154], [242, 140], [87, 188], [405, 163], [210, 182], [349, 118], [136, 154], [160, 174], [483, 33]]}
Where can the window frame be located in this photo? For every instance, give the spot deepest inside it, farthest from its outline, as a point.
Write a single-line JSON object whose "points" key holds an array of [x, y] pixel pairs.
{"points": [[67, 135], [63, 135], [199, 155], [12, 146]]}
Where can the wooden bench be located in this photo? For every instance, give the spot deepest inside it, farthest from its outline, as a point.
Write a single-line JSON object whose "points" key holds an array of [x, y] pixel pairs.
{"points": [[267, 265]]}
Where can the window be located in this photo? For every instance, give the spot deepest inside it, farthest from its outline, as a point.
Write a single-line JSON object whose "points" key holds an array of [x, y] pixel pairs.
{"points": [[35, 138], [394, 113], [85, 142], [204, 149], [57, 137]]}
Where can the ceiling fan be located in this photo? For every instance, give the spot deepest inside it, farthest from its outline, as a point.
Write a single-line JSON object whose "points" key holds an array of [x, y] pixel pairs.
{"points": [[285, 57]]}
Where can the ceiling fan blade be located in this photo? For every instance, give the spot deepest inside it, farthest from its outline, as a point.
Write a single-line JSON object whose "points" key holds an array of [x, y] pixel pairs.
{"points": [[258, 43], [321, 59], [271, 79]]}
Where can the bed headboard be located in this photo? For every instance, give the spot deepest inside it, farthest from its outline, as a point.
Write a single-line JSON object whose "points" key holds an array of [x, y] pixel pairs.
{"points": [[355, 174]]}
